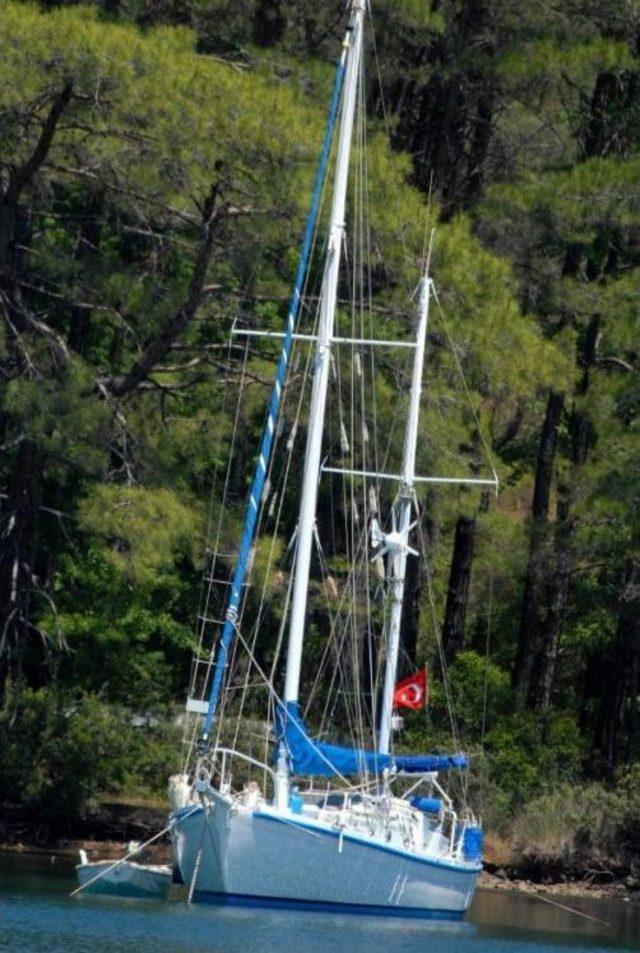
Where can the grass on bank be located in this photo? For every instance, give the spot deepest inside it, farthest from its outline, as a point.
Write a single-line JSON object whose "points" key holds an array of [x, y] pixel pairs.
{"points": [[586, 828]]}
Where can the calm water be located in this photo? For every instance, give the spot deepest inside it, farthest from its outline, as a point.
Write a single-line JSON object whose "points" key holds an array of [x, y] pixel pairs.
{"points": [[36, 915]]}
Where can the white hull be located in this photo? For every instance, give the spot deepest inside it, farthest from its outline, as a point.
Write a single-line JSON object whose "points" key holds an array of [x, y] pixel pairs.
{"points": [[126, 880], [264, 858]]}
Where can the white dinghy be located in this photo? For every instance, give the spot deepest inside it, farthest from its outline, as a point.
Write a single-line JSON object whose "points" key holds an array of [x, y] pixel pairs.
{"points": [[123, 878]]}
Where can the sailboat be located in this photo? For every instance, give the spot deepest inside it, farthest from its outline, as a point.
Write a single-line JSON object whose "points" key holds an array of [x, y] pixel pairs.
{"points": [[352, 829]]}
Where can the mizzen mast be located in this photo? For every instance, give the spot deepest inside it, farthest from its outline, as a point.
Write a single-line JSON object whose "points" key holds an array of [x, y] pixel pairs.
{"points": [[396, 543]]}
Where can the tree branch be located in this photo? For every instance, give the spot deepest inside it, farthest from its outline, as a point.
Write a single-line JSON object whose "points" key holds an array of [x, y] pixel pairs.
{"points": [[615, 361], [160, 346], [511, 429], [19, 178], [23, 175], [121, 190]]}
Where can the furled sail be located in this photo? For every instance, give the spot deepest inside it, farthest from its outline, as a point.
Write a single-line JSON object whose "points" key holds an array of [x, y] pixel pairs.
{"points": [[308, 756], [266, 445]]}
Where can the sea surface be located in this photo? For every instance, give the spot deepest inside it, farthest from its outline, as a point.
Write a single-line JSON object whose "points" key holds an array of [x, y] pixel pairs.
{"points": [[38, 916]]}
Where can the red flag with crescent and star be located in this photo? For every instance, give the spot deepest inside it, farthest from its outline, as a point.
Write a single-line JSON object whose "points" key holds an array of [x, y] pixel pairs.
{"points": [[411, 692]]}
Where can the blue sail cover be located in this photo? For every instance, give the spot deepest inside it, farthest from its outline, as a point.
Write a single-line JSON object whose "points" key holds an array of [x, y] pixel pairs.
{"points": [[310, 757], [421, 763]]}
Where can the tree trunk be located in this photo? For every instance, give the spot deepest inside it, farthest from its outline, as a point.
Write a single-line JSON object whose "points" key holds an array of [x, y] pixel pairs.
{"points": [[458, 591], [19, 515], [535, 575], [269, 22], [550, 649], [480, 141], [446, 122], [22, 176], [580, 431], [174, 326], [609, 130], [621, 675], [18, 549]]}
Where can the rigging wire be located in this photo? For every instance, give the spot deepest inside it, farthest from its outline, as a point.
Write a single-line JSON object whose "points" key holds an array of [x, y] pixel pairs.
{"points": [[278, 700], [276, 527], [262, 517], [455, 734], [467, 392], [388, 138], [258, 480], [311, 238], [210, 565], [358, 578]]}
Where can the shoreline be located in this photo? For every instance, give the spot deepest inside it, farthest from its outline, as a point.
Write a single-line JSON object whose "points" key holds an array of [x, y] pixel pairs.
{"points": [[566, 888], [105, 834], [67, 851]]}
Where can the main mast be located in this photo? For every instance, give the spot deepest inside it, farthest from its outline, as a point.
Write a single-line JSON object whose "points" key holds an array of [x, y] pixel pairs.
{"points": [[397, 542], [306, 521]]}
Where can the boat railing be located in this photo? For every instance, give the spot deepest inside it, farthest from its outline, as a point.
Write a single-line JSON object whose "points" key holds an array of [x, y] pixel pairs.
{"points": [[228, 755], [447, 823]]}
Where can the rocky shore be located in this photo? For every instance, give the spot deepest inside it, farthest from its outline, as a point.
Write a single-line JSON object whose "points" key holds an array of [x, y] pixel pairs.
{"points": [[511, 867], [625, 888]]}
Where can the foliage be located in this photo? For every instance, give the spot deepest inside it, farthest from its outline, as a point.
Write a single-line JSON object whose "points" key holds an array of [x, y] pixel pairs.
{"points": [[517, 132], [522, 762], [146, 530], [508, 754], [66, 749], [573, 826]]}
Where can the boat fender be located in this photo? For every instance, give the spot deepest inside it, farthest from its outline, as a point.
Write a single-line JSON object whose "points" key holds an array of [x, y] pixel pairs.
{"points": [[295, 803], [428, 805], [178, 791], [203, 781], [472, 843]]}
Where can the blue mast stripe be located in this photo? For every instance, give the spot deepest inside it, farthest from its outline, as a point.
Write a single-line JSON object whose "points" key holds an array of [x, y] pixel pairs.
{"points": [[257, 485]]}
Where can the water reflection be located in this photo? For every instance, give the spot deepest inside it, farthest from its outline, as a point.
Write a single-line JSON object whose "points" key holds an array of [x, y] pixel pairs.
{"points": [[37, 915], [593, 921]]}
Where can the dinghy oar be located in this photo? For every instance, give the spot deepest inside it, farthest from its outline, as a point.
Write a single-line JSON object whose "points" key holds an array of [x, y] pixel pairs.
{"points": [[132, 853]]}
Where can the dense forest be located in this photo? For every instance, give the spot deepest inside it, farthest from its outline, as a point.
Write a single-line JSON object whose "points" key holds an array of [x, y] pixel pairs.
{"points": [[156, 159]]}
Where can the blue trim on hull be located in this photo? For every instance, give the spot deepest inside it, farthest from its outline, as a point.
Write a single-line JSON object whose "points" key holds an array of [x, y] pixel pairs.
{"points": [[350, 838], [322, 906]]}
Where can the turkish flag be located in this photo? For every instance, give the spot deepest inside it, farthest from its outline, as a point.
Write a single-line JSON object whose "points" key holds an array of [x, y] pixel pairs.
{"points": [[411, 692]]}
